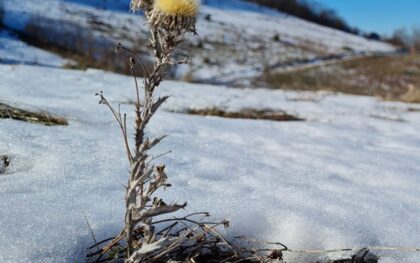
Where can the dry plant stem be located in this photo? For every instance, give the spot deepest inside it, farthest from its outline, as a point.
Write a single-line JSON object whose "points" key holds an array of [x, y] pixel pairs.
{"points": [[122, 122], [138, 195]]}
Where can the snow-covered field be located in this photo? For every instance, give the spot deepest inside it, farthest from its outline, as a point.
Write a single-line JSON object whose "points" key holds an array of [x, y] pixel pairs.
{"points": [[349, 176]]}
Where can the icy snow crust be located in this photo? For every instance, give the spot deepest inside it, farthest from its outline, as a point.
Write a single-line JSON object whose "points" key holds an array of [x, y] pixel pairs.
{"points": [[347, 177]]}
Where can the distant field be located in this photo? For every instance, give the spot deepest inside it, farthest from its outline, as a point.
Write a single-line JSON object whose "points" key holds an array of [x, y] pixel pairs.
{"points": [[389, 77]]}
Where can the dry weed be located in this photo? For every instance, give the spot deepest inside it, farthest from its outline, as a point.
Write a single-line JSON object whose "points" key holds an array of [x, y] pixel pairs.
{"points": [[40, 117]]}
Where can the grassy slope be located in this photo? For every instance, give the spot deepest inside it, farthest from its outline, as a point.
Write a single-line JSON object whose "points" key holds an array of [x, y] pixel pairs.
{"points": [[390, 77]]}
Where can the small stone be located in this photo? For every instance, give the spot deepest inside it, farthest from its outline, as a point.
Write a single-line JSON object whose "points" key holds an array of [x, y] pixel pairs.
{"points": [[365, 256], [4, 163]]}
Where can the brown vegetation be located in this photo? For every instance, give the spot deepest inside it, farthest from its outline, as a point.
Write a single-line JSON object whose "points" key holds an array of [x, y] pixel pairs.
{"points": [[412, 95], [389, 77], [39, 117], [406, 39], [253, 114]]}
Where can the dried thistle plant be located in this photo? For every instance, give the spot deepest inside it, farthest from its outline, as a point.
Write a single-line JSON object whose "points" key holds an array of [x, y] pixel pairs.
{"points": [[168, 23], [167, 32], [143, 238]]}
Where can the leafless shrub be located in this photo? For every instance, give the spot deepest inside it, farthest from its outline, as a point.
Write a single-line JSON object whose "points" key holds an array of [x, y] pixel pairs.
{"points": [[406, 38]]}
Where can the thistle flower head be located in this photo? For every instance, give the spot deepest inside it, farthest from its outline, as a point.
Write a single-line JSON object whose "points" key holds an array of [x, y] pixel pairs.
{"points": [[175, 15], [188, 8]]}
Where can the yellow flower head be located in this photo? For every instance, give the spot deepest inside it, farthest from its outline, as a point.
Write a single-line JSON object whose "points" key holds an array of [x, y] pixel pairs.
{"points": [[174, 15], [186, 8]]}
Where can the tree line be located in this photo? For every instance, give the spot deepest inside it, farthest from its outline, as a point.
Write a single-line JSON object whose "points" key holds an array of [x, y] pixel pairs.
{"points": [[408, 39]]}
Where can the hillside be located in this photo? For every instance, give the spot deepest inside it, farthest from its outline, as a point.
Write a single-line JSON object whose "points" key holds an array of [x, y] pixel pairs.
{"points": [[237, 41]]}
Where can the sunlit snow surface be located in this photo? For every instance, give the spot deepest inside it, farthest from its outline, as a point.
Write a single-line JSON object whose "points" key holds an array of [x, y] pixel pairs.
{"points": [[347, 177]]}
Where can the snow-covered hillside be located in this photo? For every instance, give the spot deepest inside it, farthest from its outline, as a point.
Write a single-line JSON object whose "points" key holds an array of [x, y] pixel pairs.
{"points": [[349, 176], [236, 41], [15, 51]]}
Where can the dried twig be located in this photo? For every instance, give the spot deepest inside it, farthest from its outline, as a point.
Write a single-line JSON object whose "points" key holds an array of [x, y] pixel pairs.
{"points": [[90, 229]]}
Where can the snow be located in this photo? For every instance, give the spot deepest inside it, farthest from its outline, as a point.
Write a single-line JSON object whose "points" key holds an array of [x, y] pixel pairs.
{"points": [[346, 177]]}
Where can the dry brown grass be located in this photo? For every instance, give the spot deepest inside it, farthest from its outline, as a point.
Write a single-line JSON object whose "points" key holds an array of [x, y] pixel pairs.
{"points": [[38, 117], [412, 95], [389, 77], [253, 114]]}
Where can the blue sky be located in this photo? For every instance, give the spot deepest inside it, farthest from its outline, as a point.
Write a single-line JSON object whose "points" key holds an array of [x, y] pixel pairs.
{"points": [[382, 16]]}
